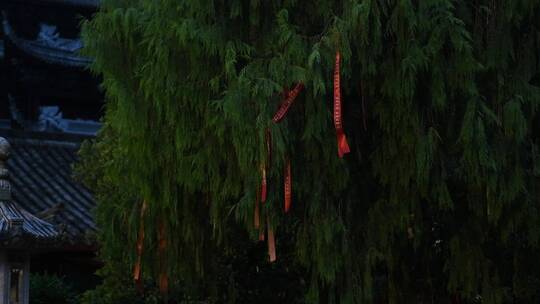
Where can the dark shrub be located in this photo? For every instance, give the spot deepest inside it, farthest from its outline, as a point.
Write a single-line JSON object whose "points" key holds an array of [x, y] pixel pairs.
{"points": [[47, 289]]}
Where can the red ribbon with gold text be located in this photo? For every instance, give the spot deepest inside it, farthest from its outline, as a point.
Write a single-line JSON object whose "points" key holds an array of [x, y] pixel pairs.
{"points": [[288, 186], [286, 104], [264, 183], [140, 244], [289, 97], [343, 146]]}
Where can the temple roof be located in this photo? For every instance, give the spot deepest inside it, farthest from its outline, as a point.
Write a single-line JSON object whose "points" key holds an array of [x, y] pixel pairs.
{"points": [[43, 185], [48, 47], [11, 214], [18, 227]]}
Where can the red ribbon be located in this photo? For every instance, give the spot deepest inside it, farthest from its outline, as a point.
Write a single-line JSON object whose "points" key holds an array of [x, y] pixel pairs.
{"points": [[261, 234], [263, 184], [271, 243], [290, 97], [285, 93], [268, 138], [140, 242], [256, 214], [343, 146], [288, 186]]}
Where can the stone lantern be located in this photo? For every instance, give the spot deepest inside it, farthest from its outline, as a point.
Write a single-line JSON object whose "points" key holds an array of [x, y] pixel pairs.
{"points": [[20, 233]]}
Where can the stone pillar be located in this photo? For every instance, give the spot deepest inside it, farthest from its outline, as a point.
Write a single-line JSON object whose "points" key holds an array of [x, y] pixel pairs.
{"points": [[25, 288], [4, 278], [14, 278]]}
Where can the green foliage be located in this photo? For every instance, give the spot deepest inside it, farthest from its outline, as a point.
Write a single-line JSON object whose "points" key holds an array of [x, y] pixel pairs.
{"points": [[117, 289], [438, 197], [46, 289]]}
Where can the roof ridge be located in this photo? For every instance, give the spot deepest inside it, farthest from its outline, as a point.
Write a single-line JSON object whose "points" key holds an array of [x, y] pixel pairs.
{"points": [[44, 138]]}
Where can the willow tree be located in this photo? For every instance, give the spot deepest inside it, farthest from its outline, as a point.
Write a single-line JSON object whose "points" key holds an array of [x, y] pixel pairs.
{"points": [[436, 200]]}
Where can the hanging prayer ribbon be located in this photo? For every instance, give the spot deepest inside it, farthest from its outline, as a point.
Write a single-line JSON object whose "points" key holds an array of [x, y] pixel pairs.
{"points": [[162, 247], [263, 184], [268, 139], [291, 96], [343, 146], [256, 214], [285, 93], [261, 234], [140, 242], [288, 186], [271, 242]]}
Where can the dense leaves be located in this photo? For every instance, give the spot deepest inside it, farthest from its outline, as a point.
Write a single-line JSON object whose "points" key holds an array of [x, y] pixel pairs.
{"points": [[437, 200], [45, 288]]}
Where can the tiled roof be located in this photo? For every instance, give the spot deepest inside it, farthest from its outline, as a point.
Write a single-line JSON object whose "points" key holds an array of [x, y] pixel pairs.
{"points": [[44, 52], [42, 183], [30, 226], [18, 228]]}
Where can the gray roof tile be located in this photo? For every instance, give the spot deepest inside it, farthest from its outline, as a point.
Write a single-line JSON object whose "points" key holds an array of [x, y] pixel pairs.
{"points": [[41, 177]]}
